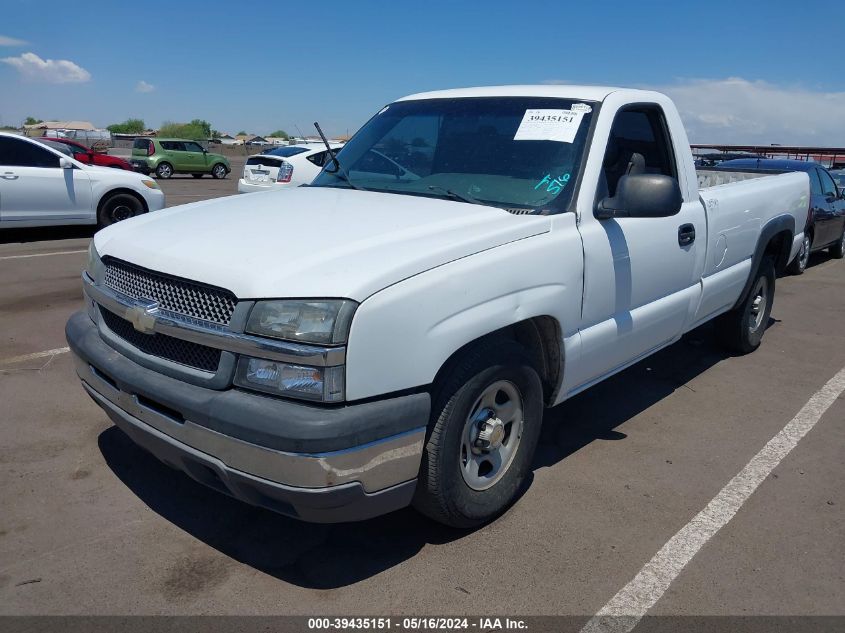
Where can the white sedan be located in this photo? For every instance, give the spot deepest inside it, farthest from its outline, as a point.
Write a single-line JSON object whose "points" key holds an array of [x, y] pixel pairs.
{"points": [[287, 166], [41, 186]]}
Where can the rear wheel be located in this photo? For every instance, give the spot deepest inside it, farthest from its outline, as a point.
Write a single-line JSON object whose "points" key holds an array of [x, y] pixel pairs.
{"points": [[837, 251], [219, 171], [117, 207], [799, 264], [742, 329], [197, 175], [164, 170], [485, 424]]}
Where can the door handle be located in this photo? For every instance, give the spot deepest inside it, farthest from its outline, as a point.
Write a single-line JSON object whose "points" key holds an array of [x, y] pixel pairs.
{"points": [[9, 175], [686, 234]]}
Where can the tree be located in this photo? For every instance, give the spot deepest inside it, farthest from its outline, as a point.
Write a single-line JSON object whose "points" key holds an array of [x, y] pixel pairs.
{"points": [[129, 126], [241, 133], [197, 129], [280, 134], [30, 120]]}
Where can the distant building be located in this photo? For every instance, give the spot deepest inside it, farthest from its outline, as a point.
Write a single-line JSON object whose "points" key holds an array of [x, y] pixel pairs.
{"points": [[277, 140], [38, 129]]}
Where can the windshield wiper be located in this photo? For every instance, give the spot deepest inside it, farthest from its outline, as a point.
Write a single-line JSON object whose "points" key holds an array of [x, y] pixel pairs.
{"points": [[457, 196], [339, 171]]}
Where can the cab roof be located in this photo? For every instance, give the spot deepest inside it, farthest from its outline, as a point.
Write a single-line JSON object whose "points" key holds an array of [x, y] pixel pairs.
{"points": [[588, 93]]}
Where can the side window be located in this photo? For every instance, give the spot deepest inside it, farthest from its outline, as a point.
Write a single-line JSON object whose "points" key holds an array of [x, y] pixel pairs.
{"points": [[637, 130], [18, 153], [193, 147], [318, 159], [173, 146], [815, 183], [828, 186]]}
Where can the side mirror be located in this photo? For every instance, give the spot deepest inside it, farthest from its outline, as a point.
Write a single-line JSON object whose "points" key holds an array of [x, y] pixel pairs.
{"points": [[642, 196], [204, 151], [64, 163]]}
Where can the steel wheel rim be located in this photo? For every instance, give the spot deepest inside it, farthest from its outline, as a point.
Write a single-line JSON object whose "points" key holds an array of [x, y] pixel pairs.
{"points": [[758, 304], [121, 212], [804, 255], [491, 435], [218, 170]]}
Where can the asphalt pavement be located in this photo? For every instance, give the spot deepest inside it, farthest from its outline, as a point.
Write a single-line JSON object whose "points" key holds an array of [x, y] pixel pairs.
{"points": [[90, 524]]}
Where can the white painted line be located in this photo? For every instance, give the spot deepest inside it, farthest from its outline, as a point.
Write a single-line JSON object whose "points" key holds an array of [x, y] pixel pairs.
{"points": [[26, 357], [41, 254], [624, 610]]}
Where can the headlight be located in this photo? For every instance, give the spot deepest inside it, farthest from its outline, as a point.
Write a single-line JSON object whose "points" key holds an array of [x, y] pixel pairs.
{"points": [[324, 384], [152, 184], [94, 265], [322, 321]]}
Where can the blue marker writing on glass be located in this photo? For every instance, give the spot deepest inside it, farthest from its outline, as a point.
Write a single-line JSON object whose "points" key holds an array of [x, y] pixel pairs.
{"points": [[554, 185]]}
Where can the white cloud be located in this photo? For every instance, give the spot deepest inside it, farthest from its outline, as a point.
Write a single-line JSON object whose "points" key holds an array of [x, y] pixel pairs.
{"points": [[55, 71], [5, 40], [143, 86], [740, 111]]}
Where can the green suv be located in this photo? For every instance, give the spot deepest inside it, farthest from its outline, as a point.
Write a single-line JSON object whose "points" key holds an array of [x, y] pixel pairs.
{"points": [[167, 156]]}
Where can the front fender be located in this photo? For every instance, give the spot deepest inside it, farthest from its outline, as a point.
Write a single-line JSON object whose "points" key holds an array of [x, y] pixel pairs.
{"points": [[402, 335]]}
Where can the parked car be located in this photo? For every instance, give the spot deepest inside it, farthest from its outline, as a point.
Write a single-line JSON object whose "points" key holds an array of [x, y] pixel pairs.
{"points": [[86, 155], [280, 167], [167, 156], [41, 186], [825, 227], [374, 340]]}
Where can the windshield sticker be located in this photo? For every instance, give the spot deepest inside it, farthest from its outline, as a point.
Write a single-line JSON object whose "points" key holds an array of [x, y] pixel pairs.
{"points": [[553, 185], [549, 125], [581, 107]]}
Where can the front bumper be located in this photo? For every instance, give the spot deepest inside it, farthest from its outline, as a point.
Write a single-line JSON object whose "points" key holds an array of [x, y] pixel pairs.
{"points": [[313, 463]]}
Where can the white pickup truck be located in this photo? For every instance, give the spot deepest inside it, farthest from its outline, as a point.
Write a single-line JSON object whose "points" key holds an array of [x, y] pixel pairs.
{"points": [[386, 337]]}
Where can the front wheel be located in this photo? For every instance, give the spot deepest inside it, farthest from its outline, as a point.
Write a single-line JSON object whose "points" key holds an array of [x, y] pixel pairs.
{"points": [[837, 251], [485, 424], [120, 206], [741, 329], [164, 170], [219, 171]]}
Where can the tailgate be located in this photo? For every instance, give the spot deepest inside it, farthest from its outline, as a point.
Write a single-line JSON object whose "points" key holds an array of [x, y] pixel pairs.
{"points": [[262, 169]]}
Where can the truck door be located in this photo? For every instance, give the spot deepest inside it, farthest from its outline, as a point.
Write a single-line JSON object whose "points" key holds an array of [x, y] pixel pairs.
{"points": [[641, 275]]}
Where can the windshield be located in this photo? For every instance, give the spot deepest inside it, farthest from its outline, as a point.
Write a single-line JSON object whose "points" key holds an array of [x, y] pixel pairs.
{"points": [[512, 152]]}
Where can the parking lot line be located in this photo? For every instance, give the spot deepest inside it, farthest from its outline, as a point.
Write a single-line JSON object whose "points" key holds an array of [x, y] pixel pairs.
{"points": [[624, 610], [41, 254], [26, 357]]}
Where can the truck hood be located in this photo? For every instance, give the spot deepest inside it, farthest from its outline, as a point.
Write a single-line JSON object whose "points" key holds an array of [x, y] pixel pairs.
{"points": [[311, 242]]}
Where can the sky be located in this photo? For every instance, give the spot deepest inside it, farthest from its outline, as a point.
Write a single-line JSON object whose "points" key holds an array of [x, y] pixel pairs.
{"points": [[742, 71]]}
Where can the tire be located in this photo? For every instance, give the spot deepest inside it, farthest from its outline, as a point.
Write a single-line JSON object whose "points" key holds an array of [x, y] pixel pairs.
{"points": [[197, 175], [117, 207], [742, 329], [798, 265], [837, 251], [164, 170], [460, 484], [219, 171]]}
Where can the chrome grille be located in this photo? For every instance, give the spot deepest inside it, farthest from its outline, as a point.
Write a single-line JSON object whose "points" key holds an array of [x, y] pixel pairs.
{"points": [[163, 346], [174, 295]]}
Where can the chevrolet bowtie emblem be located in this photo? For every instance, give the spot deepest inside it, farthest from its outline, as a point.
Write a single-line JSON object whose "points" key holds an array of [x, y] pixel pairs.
{"points": [[142, 315]]}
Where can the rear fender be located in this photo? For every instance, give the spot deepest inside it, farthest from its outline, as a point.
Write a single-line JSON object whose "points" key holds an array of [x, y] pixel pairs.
{"points": [[781, 225]]}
